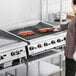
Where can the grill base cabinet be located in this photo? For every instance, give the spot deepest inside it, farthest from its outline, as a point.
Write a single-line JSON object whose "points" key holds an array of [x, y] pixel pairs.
{"points": [[42, 67]]}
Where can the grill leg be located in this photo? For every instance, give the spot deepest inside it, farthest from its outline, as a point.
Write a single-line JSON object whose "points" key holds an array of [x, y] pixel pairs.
{"points": [[15, 72], [61, 65], [6, 74], [38, 68], [27, 69], [9, 74]]}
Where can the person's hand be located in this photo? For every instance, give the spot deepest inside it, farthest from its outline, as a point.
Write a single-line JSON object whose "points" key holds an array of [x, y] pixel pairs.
{"points": [[57, 28], [74, 56]]}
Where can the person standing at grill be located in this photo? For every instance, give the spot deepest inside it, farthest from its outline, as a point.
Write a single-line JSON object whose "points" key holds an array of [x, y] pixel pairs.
{"points": [[70, 48]]}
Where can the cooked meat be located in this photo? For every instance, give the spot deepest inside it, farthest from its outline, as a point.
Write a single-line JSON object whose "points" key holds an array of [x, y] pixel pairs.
{"points": [[26, 33], [45, 30]]}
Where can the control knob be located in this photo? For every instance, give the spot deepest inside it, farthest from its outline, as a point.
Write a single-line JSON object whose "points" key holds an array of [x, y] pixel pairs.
{"points": [[17, 52], [64, 38], [58, 40], [39, 46], [53, 42], [45, 44], [1, 57], [12, 53], [31, 48]]}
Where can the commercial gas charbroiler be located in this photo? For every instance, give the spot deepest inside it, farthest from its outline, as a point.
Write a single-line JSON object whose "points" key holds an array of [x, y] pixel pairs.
{"points": [[39, 35], [11, 48]]}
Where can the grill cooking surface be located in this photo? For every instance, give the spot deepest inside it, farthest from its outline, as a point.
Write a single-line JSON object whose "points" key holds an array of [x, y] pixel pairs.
{"points": [[7, 39], [35, 29]]}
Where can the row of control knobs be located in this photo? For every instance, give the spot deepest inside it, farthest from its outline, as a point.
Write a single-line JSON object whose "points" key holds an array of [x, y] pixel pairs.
{"points": [[12, 54], [46, 44], [16, 53]]}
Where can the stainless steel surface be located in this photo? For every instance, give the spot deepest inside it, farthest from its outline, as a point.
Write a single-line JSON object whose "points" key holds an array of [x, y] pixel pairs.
{"points": [[41, 42], [4, 42], [10, 48]]}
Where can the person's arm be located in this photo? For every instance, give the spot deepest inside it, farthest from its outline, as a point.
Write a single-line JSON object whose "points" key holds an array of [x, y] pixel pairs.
{"points": [[64, 27], [61, 27]]}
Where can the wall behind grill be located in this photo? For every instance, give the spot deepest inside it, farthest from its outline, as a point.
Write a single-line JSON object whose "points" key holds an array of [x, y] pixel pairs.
{"points": [[54, 6], [18, 11]]}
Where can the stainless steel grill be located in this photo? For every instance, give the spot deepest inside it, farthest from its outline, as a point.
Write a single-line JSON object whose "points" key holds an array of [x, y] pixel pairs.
{"points": [[39, 42], [11, 48]]}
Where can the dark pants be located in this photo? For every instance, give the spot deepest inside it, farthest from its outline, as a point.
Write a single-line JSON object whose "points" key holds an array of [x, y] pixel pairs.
{"points": [[70, 66]]}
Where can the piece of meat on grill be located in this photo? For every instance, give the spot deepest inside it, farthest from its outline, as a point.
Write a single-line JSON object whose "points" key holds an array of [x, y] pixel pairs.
{"points": [[45, 30], [26, 33]]}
